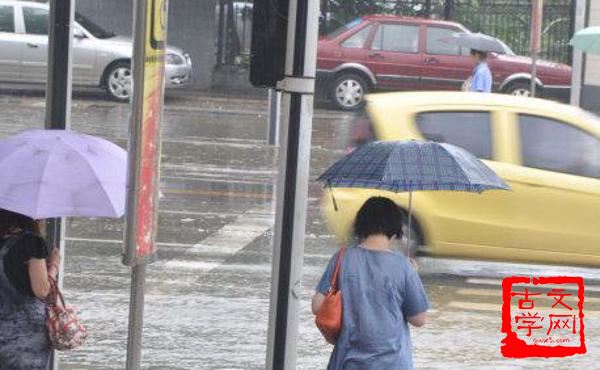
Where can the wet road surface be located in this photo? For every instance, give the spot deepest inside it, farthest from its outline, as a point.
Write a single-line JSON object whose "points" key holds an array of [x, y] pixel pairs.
{"points": [[208, 294]]}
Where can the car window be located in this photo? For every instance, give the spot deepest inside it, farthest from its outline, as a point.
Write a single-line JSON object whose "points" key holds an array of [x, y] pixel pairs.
{"points": [[435, 45], [93, 28], [358, 39], [344, 28], [7, 19], [469, 130], [397, 37], [36, 21], [556, 146]]}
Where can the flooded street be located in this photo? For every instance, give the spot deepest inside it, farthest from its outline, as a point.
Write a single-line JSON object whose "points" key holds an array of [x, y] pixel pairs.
{"points": [[207, 296]]}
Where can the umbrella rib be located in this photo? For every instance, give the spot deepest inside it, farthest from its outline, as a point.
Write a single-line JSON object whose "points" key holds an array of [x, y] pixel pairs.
{"points": [[100, 182], [85, 160], [42, 181]]}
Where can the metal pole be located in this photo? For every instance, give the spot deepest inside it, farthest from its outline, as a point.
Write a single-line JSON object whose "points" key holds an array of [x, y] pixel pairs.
{"points": [[138, 272], [448, 9], [292, 190], [136, 317], [274, 117], [537, 7], [427, 8], [409, 238], [230, 34], [150, 33], [534, 57], [578, 57], [221, 33], [58, 103], [59, 78]]}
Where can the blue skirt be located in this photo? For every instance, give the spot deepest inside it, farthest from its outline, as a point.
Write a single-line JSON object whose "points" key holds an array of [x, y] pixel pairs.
{"points": [[24, 343]]}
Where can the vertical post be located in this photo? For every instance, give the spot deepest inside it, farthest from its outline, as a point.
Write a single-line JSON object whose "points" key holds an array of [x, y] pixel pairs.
{"points": [[297, 89], [221, 33], [274, 117], [578, 57], [150, 33], [537, 8], [58, 102], [136, 301], [427, 8], [136, 317], [230, 34], [326, 20], [411, 252], [59, 78], [449, 9]]}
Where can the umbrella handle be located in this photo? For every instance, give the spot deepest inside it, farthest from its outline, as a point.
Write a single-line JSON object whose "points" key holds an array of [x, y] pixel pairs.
{"points": [[409, 237], [335, 205]]}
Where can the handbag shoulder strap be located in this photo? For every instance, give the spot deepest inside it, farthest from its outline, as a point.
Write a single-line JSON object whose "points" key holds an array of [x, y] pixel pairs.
{"points": [[55, 297], [333, 286]]}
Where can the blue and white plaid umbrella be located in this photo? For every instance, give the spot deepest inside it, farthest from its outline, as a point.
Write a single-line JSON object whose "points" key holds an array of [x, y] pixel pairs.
{"points": [[407, 166], [402, 166]]}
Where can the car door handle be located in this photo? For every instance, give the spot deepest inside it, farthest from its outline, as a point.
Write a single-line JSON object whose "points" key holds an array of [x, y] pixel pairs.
{"points": [[432, 60], [32, 45], [376, 56]]}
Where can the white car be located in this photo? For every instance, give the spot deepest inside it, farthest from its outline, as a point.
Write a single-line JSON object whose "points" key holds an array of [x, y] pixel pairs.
{"points": [[100, 58]]}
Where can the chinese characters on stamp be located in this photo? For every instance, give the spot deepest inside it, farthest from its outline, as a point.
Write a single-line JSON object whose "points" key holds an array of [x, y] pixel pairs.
{"points": [[543, 317]]}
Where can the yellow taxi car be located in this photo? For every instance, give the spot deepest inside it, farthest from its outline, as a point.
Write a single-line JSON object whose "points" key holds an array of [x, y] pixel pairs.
{"points": [[549, 153]]}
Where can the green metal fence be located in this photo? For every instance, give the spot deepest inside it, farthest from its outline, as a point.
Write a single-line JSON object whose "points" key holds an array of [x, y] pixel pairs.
{"points": [[509, 20]]}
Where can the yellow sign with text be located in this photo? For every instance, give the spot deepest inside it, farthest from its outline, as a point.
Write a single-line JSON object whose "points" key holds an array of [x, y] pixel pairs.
{"points": [[153, 92]]}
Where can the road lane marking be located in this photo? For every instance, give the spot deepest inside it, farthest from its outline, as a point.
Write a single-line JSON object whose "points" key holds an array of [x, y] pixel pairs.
{"points": [[198, 213], [475, 292], [228, 240], [479, 292], [475, 306], [490, 307], [498, 283], [210, 179], [116, 241], [219, 194]]}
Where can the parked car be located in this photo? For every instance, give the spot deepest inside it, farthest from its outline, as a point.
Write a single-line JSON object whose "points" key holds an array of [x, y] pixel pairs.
{"points": [[549, 154], [382, 52], [100, 58]]}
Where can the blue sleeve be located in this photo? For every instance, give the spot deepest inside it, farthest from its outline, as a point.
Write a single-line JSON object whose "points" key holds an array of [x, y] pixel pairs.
{"points": [[478, 83], [415, 297], [323, 286]]}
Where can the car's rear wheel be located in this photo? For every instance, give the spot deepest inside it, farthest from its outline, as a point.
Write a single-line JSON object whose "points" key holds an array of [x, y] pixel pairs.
{"points": [[119, 82], [348, 92], [519, 89]]}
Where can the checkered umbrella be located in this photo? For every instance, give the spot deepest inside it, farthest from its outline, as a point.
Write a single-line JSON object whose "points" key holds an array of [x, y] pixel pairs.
{"points": [[407, 166], [403, 166]]}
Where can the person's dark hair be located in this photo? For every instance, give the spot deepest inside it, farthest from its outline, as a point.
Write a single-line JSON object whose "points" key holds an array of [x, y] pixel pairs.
{"points": [[481, 54], [378, 215], [11, 220]]}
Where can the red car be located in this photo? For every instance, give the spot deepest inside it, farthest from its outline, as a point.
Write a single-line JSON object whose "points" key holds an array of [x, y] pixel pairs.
{"points": [[382, 52]]}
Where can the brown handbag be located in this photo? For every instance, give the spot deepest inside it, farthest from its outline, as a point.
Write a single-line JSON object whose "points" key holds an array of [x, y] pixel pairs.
{"points": [[329, 317]]}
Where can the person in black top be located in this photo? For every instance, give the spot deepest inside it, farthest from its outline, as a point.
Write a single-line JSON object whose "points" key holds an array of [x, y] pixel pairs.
{"points": [[26, 267]]}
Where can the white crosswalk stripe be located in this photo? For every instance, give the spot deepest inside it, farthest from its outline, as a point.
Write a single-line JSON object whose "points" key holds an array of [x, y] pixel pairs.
{"points": [[226, 242]]}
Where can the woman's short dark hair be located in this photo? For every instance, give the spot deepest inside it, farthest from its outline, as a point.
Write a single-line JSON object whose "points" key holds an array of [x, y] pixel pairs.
{"points": [[379, 215], [11, 220], [480, 54]]}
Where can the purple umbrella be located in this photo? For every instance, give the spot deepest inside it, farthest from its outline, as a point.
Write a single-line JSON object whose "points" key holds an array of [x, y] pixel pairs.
{"points": [[56, 173]]}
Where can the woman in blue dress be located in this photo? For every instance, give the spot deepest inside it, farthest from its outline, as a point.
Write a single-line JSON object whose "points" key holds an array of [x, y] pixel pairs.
{"points": [[382, 293]]}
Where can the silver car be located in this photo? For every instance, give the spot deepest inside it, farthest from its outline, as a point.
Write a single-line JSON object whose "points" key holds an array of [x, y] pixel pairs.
{"points": [[100, 58]]}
